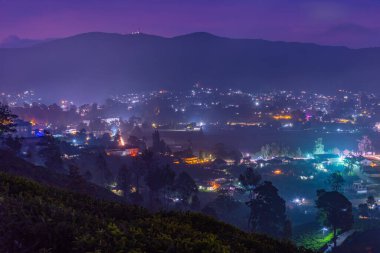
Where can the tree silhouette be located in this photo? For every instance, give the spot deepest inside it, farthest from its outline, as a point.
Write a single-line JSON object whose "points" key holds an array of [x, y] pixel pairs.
{"points": [[7, 119], [335, 181], [334, 210], [103, 168], [363, 210], [124, 180], [249, 180], [365, 145], [159, 180], [51, 153], [76, 181], [15, 144], [350, 163], [186, 188], [268, 211], [288, 229]]}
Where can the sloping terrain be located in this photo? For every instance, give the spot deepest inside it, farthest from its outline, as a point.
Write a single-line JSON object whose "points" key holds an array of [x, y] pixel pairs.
{"points": [[37, 218], [95, 65]]}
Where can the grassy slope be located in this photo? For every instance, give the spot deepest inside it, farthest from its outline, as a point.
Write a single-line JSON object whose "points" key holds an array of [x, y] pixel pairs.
{"points": [[34, 217], [14, 165]]}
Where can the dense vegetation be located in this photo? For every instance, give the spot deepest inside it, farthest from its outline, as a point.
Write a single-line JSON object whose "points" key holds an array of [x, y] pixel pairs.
{"points": [[37, 218]]}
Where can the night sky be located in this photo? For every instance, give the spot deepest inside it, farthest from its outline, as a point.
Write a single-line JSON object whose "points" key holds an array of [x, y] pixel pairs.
{"points": [[354, 23]]}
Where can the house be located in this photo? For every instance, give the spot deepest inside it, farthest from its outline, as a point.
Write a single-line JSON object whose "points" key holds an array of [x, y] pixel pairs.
{"points": [[23, 129]]}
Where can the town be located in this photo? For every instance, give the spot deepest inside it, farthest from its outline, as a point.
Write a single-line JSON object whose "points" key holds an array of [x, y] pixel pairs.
{"points": [[212, 139]]}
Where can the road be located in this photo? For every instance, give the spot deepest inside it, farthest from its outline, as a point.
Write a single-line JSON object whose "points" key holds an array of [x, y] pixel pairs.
{"points": [[341, 238]]}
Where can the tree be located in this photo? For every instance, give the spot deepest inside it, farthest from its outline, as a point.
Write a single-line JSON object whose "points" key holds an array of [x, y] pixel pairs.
{"points": [[51, 153], [249, 181], [124, 180], [7, 120], [365, 145], [363, 210], [350, 164], [195, 203], [103, 169], [288, 229], [105, 140], [268, 211], [236, 155], [265, 151], [186, 188], [81, 136], [159, 180], [220, 151], [15, 144], [335, 181], [319, 148], [76, 180], [299, 152], [87, 175], [371, 203], [227, 209], [334, 211]]}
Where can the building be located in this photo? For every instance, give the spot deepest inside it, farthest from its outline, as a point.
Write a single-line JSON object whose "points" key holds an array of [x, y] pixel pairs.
{"points": [[23, 129], [127, 151]]}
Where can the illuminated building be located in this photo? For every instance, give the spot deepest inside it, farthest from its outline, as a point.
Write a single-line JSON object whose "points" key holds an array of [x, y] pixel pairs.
{"points": [[128, 151]]}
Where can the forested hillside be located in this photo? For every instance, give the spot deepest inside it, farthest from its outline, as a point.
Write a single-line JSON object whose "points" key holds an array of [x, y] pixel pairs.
{"points": [[37, 218]]}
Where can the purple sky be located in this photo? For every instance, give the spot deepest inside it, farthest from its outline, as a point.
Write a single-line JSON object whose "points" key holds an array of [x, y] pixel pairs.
{"points": [[354, 23]]}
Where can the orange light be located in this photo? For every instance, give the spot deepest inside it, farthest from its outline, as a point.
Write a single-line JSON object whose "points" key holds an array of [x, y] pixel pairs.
{"points": [[282, 117], [277, 172], [214, 185], [134, 152], [344, 121]]}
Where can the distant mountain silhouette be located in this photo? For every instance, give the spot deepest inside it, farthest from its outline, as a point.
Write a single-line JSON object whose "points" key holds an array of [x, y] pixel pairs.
{"points": [[16, 42], [91, 66]]}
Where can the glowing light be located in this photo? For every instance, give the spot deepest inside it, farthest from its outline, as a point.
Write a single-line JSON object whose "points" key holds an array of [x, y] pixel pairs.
{"points": [[121, 141], [277, 172], [214, 186], [282, 117]]}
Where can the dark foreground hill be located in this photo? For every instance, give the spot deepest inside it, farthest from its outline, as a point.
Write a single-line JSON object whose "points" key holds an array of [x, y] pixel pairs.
{"points": [[37, 218], [11, 164], [93, 65]]}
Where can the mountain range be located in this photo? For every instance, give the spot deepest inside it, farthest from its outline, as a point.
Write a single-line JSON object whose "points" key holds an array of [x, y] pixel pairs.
{"points": [[92, 66]]}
